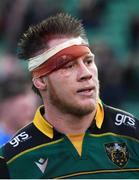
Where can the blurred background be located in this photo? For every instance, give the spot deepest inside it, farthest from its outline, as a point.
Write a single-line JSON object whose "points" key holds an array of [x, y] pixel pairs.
{"points": [[112, 28]]}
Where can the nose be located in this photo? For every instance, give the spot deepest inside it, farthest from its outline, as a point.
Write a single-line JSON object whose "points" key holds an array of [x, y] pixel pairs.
{"points": [[84, 72]]}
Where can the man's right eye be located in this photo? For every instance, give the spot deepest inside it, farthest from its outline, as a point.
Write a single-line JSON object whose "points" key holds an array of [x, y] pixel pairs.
{"points": [[69, 65]]}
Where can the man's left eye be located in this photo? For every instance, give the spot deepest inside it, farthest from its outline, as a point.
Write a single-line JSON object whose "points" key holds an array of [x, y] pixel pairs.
{"points": [[89, 61]]}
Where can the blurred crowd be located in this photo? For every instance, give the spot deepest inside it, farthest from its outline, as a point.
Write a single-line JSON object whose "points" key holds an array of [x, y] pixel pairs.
{"points": [[18, 103], [119, 85]]}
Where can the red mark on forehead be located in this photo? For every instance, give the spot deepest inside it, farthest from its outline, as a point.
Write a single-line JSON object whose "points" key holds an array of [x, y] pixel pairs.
{"points": [[60, 59]]}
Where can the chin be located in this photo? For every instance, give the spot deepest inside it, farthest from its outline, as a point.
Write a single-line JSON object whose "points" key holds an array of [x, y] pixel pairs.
{"points": [[88, 103], [84, 109]]}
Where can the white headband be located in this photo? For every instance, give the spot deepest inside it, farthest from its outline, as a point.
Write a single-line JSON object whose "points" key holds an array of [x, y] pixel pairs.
{"points": [[40, 59]]}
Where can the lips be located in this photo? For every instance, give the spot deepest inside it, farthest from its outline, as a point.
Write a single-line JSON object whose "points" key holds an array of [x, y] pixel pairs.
{"points": [[86, 91]]}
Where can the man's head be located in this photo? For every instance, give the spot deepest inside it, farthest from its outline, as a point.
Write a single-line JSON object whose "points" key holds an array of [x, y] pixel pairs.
{"points": [[35, 40], [51, 48]]}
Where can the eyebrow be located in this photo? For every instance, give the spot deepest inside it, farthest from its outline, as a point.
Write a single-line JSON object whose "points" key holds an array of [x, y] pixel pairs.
{"points": [[89, 55]]}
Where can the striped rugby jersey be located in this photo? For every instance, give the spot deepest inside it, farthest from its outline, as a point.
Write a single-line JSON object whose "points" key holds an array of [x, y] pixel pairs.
{"points": [[108, 149]]}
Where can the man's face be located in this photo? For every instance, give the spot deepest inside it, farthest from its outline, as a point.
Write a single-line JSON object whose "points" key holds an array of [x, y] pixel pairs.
{"points": [[74, 88]]}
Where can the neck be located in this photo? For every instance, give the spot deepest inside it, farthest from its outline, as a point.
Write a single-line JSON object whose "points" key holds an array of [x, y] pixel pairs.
{"points": [[68, 123]]}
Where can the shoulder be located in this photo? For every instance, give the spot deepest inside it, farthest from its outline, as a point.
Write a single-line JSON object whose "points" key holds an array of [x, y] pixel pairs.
{"points": [[121, 122], [4, 174], [25, 139], [121, 116]]}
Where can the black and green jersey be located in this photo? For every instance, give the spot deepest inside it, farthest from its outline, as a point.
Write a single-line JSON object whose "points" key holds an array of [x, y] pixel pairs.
{"points": [[110, 149], [4, 174]]}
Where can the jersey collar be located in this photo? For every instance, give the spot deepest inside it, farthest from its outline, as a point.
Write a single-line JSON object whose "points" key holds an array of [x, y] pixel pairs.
{"points": [[47, 129]]}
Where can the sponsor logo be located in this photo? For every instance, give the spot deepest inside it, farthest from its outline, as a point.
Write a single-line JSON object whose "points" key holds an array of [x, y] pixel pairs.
{"points": [[117, 153], [124, 119], [42, 164], [19, 138]]}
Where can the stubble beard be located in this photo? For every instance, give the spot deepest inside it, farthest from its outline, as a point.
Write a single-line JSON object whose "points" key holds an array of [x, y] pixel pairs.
{"points": [[76, 110], [70, 108]]}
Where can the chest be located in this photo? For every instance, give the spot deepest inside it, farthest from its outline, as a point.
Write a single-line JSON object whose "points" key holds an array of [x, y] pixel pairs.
{"points": [[101, 156]]}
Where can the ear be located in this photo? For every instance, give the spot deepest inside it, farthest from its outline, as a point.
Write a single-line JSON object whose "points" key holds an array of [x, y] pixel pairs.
{"points": [[39, 83]]}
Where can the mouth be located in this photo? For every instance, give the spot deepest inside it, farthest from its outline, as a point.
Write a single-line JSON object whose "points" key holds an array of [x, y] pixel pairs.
{"points": [[87, 91]]}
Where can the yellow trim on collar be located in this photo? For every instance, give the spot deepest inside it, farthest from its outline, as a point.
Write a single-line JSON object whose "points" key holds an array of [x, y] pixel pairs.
{"points": [[47, 128], [99, 114], [42, 124], [77, 141]]}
